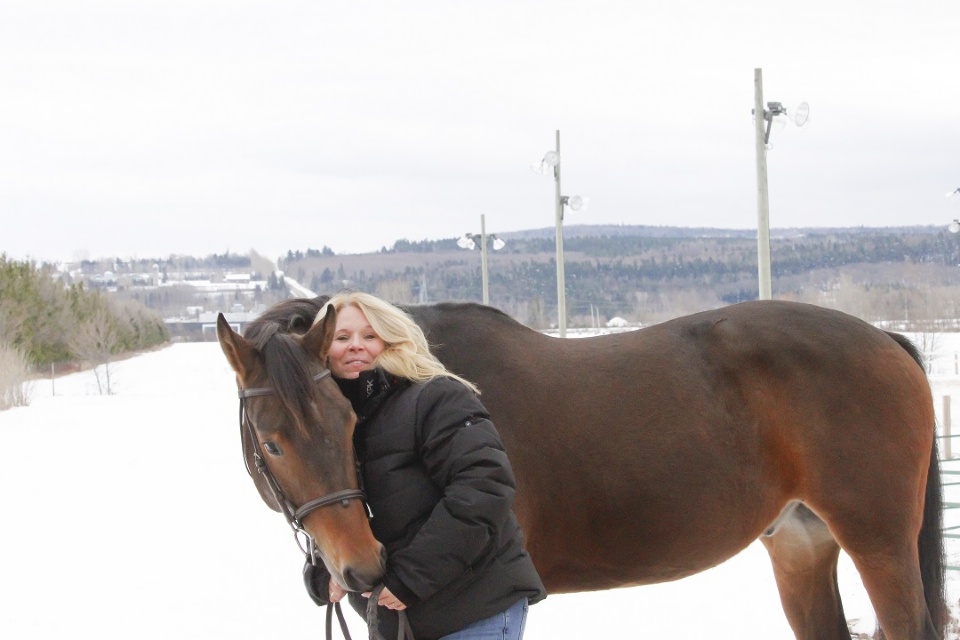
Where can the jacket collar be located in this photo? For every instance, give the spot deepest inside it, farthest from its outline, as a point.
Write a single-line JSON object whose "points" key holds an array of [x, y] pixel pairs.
{"points": [[368, 391]]}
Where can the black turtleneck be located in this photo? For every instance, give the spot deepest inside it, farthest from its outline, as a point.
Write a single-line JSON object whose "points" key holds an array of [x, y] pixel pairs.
{"points": [[367, 391]]}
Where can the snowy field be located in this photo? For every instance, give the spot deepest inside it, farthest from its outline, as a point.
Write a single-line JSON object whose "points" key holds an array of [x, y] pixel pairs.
{"points": [[131, 516]]}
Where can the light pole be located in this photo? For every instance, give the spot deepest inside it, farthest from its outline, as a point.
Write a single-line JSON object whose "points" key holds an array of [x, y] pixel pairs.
{"points": [[954, 227], [552, 159], [763, 200], [470, 240], [762, 133]]}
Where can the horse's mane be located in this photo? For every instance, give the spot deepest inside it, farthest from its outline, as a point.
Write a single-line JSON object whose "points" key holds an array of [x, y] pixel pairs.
{"points": [[294, 316], [285, 362], [909, 347]]}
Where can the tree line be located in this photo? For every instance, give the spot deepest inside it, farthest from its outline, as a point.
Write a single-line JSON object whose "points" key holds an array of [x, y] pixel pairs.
{"points": [[647, 274], [44, 321]]}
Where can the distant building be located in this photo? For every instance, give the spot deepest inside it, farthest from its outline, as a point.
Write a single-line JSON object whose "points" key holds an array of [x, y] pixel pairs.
{"points": [[203, 325]]}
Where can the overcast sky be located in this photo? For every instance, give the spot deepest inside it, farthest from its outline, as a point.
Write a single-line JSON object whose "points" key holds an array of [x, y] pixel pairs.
{"points": [[143, 128]]}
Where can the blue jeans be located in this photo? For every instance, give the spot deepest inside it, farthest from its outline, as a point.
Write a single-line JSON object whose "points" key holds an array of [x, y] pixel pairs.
{"points": [[507, 625]]}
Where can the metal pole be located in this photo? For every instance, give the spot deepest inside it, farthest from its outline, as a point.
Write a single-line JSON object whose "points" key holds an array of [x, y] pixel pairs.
{"points": [[483, 259], [763, 201], [561, 284], [947, 439]]}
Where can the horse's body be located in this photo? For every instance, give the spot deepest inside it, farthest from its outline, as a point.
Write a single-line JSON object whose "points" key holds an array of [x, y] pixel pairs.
{"points": [[651, 455], [648, 456]]}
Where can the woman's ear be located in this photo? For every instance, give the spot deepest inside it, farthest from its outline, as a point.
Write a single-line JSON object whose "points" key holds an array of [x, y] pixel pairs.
{"points": [[318, 339]]}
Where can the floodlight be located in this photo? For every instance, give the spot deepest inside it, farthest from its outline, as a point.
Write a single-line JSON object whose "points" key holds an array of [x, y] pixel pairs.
{"points": [[801, 114], [540, 168]]}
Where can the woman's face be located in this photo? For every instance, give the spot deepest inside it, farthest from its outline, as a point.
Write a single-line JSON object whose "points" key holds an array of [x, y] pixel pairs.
{"points": [[355, 344]]}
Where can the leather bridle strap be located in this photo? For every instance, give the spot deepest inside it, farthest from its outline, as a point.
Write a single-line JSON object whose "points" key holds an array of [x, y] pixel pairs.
{"points": [[404, 632], [342, 497], [268, 391], [334, 607]]}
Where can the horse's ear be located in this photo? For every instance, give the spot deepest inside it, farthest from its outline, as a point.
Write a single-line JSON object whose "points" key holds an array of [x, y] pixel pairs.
{"points": [[240, 353], [317, 340]]}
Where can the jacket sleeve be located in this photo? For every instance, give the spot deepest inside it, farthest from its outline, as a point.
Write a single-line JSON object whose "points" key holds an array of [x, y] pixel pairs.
{"points": [[464, 456]]}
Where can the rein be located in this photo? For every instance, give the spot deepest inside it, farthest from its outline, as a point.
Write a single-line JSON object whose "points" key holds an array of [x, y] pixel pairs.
{"points": [[294, 517], [404, 632]]}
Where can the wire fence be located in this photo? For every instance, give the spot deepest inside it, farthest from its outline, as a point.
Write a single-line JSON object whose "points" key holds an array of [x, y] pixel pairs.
{"points": [[950, 479]]}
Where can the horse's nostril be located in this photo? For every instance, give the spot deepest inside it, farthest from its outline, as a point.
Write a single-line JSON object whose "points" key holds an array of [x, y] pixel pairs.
{"points": [[355, 583], [360, 580]]}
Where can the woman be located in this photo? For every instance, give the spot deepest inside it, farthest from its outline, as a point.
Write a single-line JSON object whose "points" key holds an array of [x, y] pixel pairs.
{"points": [[437, 480]]}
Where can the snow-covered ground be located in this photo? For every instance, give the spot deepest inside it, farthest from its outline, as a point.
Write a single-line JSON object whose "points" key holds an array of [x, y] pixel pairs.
{"points": [[131, 516]]}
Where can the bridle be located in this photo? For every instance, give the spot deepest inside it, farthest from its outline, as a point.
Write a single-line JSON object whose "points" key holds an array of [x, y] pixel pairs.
{"points": [[294, 515]]}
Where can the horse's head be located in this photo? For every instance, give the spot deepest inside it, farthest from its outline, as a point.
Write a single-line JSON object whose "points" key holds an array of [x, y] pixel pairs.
{"points": [[296, 423]]}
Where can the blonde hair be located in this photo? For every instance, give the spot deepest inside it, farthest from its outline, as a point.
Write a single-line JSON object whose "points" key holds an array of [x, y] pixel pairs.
{"points": [[407, 353]]}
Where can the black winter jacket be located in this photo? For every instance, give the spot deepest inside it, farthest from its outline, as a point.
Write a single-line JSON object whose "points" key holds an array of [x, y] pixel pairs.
{"points": [[441, 490]]}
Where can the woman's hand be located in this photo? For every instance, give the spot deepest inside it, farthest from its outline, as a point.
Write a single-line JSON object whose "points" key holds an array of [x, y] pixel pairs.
{"points": [[336, 591], [388, 600]]}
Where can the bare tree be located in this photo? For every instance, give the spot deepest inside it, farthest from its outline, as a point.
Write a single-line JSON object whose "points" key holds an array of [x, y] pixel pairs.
{"points": [[928, 342], [13, 316], [95, 340], [536, 314], [15, 386], [397, 290]]}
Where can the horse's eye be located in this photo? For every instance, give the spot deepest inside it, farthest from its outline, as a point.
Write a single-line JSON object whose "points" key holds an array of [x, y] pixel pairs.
{"points": [[272, 448]]}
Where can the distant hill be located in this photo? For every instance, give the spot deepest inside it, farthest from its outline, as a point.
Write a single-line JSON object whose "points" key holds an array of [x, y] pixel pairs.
{"points": [[644, 274], [647, 274], [645, 231]]}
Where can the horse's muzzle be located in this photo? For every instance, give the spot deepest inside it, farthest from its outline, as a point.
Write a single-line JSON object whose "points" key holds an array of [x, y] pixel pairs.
{"points": [[361, 579]]}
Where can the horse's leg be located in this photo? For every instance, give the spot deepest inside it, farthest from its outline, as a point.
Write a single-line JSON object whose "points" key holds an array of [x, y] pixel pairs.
{"points": [[883, 547], [885, 538], [892, 579], [904, 574], [804, 555]]}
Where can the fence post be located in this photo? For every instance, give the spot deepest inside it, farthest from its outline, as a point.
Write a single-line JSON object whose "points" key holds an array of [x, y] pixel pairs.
{"points": [[946, 428]]}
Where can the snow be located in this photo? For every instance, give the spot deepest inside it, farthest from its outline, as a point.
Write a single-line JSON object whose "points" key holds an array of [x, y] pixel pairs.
{"points": [[132, 516]]}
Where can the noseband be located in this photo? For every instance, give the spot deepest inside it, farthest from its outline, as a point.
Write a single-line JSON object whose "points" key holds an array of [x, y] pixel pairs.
{"points": [[293, 515]]}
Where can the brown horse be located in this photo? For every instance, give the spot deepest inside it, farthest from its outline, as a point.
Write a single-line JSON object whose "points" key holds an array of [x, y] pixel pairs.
{"points": [[648, 456]]}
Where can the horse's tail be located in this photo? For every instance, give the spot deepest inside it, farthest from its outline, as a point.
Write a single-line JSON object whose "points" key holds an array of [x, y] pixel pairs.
{"points": [[930, 540]]}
